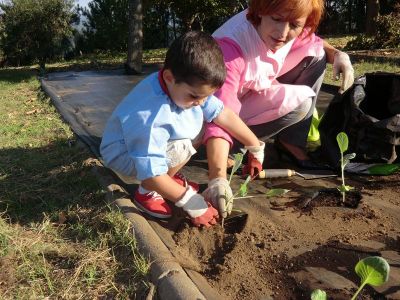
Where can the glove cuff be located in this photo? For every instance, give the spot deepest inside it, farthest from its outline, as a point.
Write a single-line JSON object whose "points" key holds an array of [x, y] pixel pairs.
{"points": [[192, 203], [253, 149], [341, 56], [257, 151], [186, 197]]}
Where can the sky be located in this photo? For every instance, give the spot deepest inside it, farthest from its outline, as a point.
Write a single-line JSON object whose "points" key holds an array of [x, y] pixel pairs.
{"points": [[82, 2]]}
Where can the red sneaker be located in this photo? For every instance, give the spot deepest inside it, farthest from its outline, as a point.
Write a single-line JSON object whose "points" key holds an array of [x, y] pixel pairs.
{"points": [[153, 204], [181, 179]]}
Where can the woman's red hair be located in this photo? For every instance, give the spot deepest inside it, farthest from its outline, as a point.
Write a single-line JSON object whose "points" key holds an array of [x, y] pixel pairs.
{"points": [[314, 9]]}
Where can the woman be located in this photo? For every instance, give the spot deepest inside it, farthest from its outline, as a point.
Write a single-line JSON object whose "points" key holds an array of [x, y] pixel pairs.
{"points": [[275, 67]]}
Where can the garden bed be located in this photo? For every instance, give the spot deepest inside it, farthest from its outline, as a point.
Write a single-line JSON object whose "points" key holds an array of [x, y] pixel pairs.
{"points": [[284, 248], [290, 245]]}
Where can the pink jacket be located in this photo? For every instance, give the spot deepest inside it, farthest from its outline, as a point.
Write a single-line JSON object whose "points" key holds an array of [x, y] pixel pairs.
{"points": [[251, 89]]}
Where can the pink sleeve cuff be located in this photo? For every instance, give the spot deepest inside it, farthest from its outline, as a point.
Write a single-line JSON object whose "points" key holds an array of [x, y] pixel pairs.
{"points": [[214, 131]]}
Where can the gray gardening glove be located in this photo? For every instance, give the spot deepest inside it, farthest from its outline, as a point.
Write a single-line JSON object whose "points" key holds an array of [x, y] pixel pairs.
{"points": [[342, 65], [201, 213], [219, 193]]}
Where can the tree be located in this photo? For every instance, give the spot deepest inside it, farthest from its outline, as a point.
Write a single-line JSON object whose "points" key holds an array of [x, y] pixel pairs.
{"points": [[106, 25], [194, 14], [372, 16], [158, 24], [135, 38], [35, 30]]}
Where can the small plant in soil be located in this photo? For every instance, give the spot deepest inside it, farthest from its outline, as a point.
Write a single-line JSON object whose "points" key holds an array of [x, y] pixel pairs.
{"points": [[242, 192], [318, 295], [243, 189], [373, 270], [343, 142]]}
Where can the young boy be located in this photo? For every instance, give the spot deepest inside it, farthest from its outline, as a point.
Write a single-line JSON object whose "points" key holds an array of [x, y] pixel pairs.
{"points": [[149, 136]]}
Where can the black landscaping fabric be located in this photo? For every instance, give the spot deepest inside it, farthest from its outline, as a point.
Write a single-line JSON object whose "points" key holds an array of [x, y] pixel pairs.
{"points": [[86, 99]]}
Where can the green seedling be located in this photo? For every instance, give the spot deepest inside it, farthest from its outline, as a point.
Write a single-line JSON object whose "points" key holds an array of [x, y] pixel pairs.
{"points": [[242, 192], [343, 142], [318, 295], [238, 162], [243, 189], [373, 270]]}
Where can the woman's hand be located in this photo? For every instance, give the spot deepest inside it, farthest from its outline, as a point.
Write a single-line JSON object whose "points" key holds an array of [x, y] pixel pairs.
{"points": [[342, 65], [255, 160]]}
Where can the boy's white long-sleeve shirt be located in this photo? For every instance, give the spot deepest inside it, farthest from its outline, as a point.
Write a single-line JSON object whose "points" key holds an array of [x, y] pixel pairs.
{"points": [[135, 138]]}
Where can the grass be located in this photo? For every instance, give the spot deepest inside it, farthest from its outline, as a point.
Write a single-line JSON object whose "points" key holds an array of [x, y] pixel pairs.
{"points": [[360, 67], [58, 236], [339, 42], [104, 60]]}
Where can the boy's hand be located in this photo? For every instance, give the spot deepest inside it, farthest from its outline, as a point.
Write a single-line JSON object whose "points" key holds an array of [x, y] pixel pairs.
{"points": [[255, 160], [208, 218], [220, 194], [199, 211]]}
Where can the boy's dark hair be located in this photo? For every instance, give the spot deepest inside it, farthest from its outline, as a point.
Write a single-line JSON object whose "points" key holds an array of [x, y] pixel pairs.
{"points": [[195, 58]]}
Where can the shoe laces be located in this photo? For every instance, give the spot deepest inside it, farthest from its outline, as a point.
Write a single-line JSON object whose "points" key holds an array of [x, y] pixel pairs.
{"points": [[154, 195]]}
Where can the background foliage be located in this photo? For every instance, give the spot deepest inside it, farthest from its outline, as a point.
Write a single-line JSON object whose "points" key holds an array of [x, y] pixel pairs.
{"points": [[35, 30], [387, 35], [38, 30]]}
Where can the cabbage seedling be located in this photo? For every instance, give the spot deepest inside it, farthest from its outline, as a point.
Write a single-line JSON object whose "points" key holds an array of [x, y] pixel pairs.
{"points": [[242, 192], [243, 189], [238, 162], [373, 270], [318, 295], [343, 142]]}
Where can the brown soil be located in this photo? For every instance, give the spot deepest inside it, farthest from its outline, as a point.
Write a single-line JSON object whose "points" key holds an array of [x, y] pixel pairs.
{"points": [[290, 245], [8, 273]]}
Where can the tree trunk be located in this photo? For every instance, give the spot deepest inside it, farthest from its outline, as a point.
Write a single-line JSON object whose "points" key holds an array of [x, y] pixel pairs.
{"points": [[360, 16], [166, 21], [174, 25], [135, 38], [42, 66], [372, 15], [350, 16]]}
